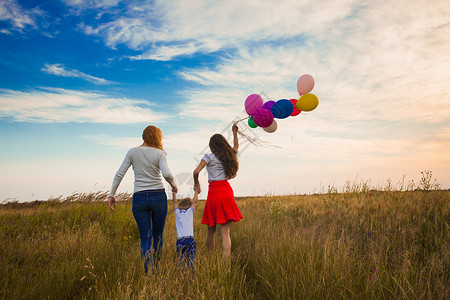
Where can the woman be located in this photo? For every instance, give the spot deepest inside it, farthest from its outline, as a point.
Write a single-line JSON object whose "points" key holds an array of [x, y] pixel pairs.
{"points": [[149, 198], [220, 208]]}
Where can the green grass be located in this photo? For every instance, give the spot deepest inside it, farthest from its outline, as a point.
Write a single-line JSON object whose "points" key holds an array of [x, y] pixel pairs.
{"points": [[360, 243]]}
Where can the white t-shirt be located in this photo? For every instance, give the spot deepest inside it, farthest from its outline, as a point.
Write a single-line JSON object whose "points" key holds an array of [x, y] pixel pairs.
{"points": [[184, 220], [148, 165], [214, 167]]}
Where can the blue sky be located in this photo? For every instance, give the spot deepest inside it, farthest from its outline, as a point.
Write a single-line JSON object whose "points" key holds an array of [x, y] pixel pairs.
{"points": [[81, 79]]}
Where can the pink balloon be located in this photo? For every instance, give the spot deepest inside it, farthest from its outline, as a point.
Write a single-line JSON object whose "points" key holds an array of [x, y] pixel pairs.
{"points": [[263, 117], [296, 110], [253, 103], [305, 84]]}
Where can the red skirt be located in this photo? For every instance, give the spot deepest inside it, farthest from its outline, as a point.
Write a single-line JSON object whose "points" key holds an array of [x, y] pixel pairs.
{"points": [[220, 205]]}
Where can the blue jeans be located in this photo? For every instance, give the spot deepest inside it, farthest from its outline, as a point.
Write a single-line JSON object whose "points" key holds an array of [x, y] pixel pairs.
{"points": [[187, 251], [150, 211]]}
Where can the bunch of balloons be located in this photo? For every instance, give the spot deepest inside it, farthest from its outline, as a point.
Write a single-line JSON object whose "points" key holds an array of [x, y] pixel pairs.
{"points": [[264, 114]]}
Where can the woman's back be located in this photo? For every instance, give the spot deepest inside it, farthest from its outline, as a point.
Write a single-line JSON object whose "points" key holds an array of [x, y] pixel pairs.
{"points": [[148, 165]]}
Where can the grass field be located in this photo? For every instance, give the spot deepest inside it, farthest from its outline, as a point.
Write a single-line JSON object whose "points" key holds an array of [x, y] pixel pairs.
{"points": [[356, 243]]}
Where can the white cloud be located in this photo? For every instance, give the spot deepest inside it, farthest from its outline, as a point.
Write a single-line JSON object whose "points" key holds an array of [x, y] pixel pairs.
{"points": [[91, 4], [18, 17], [63, 106], [165, 53], [61, 70], [207, 26], [382, 63], [377, 60]]}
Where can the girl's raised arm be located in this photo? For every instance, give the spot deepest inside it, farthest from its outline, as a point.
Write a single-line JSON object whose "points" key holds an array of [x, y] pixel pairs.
{"points": [[235, 138]]}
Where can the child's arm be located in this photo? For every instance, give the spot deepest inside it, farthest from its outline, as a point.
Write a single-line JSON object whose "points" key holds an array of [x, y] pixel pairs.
{"points": [[175, 202], [195, 199]]}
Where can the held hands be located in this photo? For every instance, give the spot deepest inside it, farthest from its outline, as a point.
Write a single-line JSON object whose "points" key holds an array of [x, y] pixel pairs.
{"points": [[197, 188], [112, 203]]}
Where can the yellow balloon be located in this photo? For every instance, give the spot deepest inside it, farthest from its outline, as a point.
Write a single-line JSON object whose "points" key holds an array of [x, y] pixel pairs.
{"points": [[307, 102]]}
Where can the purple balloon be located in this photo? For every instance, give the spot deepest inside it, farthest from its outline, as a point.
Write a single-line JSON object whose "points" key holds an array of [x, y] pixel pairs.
{"points": [[253, 103], [268, 105], [263, 117]]}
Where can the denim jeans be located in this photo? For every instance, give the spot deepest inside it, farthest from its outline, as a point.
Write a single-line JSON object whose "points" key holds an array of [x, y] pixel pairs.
{"points": [[186, 251], [150, 211]]}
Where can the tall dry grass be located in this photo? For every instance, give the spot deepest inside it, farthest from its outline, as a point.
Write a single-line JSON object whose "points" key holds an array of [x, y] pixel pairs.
{"points": [[356, 243]]}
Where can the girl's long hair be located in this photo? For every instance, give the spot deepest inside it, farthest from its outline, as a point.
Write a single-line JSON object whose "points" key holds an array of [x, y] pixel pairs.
{"points": [[152, 135], [228, 157]]}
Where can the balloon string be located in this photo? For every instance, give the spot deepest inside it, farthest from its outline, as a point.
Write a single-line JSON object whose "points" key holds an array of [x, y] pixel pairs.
{"points": [[235, 122], [255, 141]]}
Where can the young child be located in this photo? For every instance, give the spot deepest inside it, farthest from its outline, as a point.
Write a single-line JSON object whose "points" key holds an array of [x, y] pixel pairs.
{"points": [[184, 221]]}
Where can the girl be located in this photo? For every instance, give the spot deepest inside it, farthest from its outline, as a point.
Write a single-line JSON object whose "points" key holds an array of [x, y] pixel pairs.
{"points": [[149, 207], [220, 208]]}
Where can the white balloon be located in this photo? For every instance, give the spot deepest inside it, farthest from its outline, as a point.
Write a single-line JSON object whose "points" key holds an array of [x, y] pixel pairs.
{"points": [[272, 128]]}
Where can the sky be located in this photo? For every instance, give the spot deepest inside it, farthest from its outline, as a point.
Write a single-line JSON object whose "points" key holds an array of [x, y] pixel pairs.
{"points": [[81, 79]]}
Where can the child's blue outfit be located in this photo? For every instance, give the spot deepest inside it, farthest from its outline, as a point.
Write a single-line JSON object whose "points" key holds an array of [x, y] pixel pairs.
{"points": [[186, 247]]}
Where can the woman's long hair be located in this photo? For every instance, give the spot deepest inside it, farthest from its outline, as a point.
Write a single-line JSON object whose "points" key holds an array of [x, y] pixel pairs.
{"points": [[152, 135], [228, 157]]}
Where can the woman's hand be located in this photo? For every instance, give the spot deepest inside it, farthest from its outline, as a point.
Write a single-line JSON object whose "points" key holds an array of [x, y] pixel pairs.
{"points": [[235, 128], [174, 189], [112, 203]]}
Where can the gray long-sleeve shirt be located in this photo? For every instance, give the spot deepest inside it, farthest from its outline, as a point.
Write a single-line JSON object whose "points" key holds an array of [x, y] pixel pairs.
{"points": [[148, 165]]}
